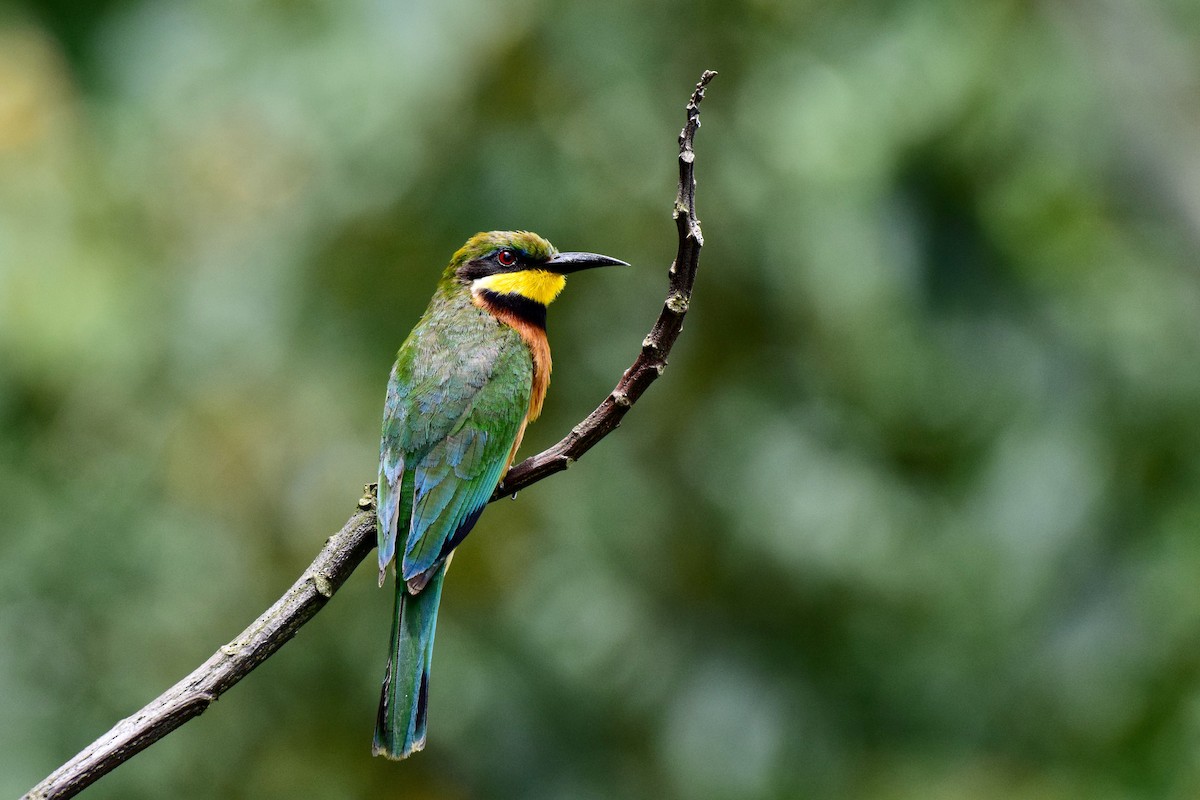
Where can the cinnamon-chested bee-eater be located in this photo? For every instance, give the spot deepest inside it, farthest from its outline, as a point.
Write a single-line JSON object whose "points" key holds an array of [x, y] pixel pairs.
{"points": [[467, 380]]}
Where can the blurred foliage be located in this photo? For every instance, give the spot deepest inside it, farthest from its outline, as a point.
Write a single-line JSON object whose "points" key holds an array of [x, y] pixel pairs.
{"points": [[914, 513]]}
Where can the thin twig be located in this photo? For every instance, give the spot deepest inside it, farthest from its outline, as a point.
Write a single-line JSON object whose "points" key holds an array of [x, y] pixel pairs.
{"points": [[652, 359], [346, 549]]}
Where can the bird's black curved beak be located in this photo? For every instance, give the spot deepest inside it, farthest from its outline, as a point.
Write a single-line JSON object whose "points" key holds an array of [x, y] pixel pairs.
{"points": [[574, 262]]}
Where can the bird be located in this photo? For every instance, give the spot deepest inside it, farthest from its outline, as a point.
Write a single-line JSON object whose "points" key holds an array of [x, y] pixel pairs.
{"points": [[468, 379]]}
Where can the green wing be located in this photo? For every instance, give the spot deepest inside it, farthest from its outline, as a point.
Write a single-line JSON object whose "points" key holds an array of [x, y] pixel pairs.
{"points": [[451, 487], [446, 438]]}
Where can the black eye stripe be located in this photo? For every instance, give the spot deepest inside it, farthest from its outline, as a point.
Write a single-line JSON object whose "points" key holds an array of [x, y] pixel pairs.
{"points": [[503, 259]]}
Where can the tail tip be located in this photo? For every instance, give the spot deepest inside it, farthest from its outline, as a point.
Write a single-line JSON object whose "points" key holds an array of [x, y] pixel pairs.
{"points": [[392, 753]]}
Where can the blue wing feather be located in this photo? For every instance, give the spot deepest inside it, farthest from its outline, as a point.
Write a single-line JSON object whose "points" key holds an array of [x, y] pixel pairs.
{"points": [[452, 485], [391, 470]]}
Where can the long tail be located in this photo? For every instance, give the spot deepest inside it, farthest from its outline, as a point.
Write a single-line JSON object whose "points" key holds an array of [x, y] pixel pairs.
{"points": [[400, 725]]}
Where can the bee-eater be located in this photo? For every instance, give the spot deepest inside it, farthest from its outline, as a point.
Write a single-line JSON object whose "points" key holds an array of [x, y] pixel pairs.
{"points": [[467, 380]]}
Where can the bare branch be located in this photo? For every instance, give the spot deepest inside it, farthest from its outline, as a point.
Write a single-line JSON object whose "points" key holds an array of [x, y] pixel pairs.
{"points": [[652, 359], [347, 548], [232, 662]]}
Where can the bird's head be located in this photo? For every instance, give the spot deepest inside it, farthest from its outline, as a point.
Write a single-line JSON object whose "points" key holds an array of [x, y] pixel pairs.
{"points": [[518, 266]]}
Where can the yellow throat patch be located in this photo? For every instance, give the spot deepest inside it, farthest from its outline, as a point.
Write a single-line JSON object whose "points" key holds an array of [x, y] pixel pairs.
{"points": [[538, 285]]}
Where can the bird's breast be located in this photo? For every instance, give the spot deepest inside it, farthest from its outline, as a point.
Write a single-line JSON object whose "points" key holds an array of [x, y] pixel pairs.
{"points": [[533, 335]]}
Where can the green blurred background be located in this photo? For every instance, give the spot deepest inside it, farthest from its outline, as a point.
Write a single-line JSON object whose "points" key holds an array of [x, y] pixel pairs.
{"points": [[915, 512]]}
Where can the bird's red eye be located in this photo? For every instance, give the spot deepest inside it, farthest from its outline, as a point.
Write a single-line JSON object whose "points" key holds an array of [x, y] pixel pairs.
{"points": [[506, 258]]}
